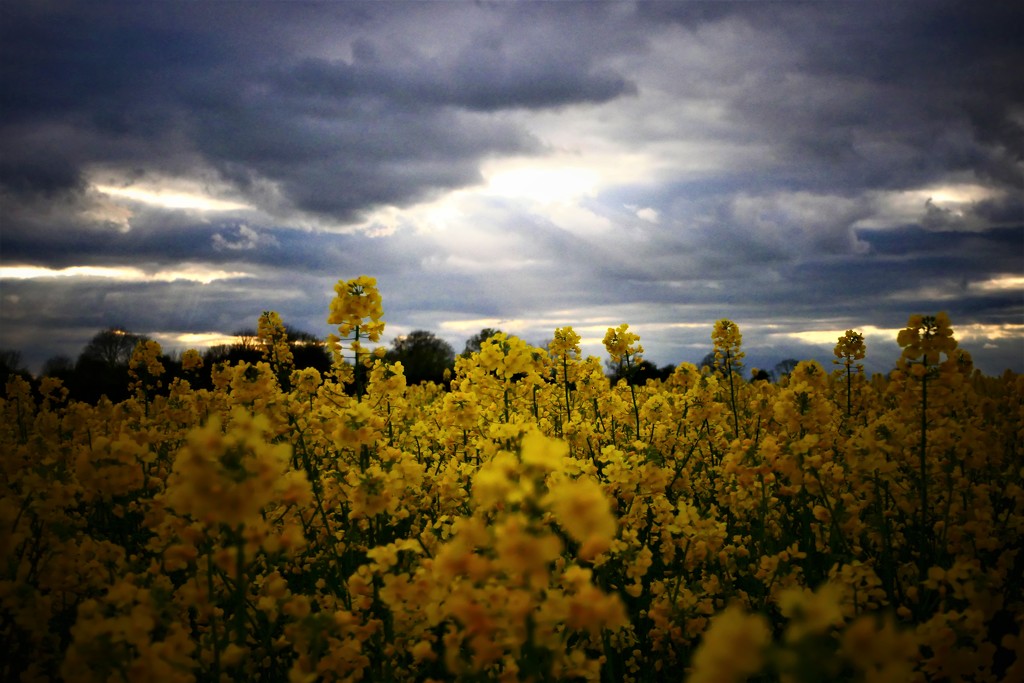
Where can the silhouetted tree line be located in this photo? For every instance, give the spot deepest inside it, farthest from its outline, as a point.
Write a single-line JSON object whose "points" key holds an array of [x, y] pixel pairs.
{"points": [[424, 356], [10, 366], [781, 370], [101, 368]]}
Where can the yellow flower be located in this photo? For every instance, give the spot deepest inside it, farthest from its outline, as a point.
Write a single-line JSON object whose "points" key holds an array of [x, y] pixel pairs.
{"points": [[850, 349], [508, 357], [524, 556], [622, 344], [565, 343], [357, 425], [495, 482], [592, 610], [229, 478], [145, 368], [384, 557], [543, 452], [423, 651], [926, 337], [462, 409], [811, 612], [727, 342], [274, 338], [879, 649], [581, 507], [357, 304], [732, 649], [191, 360]]}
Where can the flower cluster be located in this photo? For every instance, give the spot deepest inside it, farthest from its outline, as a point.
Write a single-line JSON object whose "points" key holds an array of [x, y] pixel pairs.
{"points": [[527, 521]]}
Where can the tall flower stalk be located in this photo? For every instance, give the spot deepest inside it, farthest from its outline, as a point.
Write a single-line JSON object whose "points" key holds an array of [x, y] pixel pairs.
{"points": [[357, 311], [624, 348], [729, 359], [565, 351], [924, 341], [849, 351]]}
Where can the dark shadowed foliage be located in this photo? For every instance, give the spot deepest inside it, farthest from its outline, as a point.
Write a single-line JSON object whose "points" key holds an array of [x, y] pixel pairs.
{"points": [[424, 356], [112, 347], [10, 365], [784, 367], [640, 374]]}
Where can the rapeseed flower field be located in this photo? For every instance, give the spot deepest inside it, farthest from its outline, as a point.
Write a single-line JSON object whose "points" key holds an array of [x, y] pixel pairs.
{"points": [[526, 522]]}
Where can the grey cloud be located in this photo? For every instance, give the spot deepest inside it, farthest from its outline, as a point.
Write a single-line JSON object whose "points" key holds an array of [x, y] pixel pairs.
{"points": [[105, 61], [83, 305], [872, 95], [996, 248], [485, 76], [316, 113], [242, 238], [165, 89], [1000, 212]]}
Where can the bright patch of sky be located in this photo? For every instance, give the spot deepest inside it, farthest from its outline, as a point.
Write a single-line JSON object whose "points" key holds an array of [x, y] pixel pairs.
{"points": [[169, 199], [192, 340], [189, 273]]}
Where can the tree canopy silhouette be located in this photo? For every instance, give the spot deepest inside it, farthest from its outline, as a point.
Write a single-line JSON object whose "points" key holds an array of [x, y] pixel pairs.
{"points": [[10, 365], [112, 346], [640, 374], [424, 355]]}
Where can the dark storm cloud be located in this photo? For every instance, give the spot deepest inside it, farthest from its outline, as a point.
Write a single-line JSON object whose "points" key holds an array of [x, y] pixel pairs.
{"points": [[900, 269], [97, 303], [109, 72], [956, 57], [992, 251], [89, 76], [162, 89], [869, 95], [773, 134], [485, 76]]}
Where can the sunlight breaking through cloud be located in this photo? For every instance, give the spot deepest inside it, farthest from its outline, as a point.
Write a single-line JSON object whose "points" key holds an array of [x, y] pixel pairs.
{"points": [[194, 273], [1000, 284], [543, 184], [170, 199], [830, 337], [193, 340]]}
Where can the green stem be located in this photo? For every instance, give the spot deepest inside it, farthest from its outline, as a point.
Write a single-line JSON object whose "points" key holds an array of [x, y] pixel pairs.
{"points": [[240, 590], [355, 367], [632, 393], [922, 459], [849, 390], [732, 395], [565, 382], [213, 617]]}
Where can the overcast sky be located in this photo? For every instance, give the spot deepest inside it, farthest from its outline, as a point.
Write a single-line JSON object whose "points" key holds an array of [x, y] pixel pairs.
{"points": [[177, 168]]}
